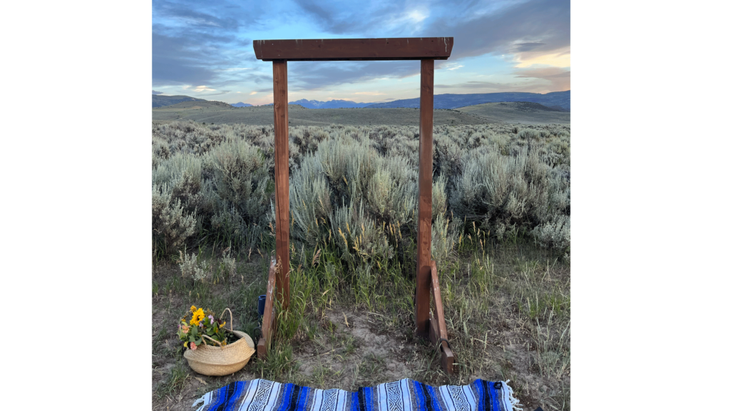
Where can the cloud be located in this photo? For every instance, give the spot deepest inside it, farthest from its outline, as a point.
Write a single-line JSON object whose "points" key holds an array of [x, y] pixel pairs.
{"points": [[193, 19], [200, 89], [521, 47], [205, 43], [199, 43], [560, 58], [451, 66], [252, 93], [559, 78], [537, 80], [177, 60], [156, 93], [372, 19], [538, 25], [532, 32], [317, 75]]}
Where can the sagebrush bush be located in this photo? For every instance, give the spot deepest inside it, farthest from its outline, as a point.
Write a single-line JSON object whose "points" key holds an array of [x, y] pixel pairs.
{"points": [[310, 201], [553, 234], [357, 237], [444, 237], [213, 184], [193, 267], [507, 194], [171, 224]]}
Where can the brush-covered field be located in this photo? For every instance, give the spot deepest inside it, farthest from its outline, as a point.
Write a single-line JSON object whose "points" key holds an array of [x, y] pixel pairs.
{"points": [[500, 237], [517, 112], [220, 113]]}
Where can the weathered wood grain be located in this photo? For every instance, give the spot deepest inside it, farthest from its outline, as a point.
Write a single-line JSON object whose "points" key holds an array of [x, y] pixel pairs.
{"points": [[437, 330], [412, 48], [425, 182], [281, 179], [267, 323]]}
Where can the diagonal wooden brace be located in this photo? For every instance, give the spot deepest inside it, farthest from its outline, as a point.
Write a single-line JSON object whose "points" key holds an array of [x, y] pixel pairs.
{"points": [[269, 320], [437, 329]]}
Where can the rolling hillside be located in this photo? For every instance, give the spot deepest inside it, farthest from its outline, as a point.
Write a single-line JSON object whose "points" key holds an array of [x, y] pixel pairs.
{"points": [[162, 101], [517, 112]]}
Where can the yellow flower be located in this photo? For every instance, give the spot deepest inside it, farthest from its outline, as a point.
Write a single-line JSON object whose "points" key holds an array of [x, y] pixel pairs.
{"points": [[197, 317], [193, 308]]}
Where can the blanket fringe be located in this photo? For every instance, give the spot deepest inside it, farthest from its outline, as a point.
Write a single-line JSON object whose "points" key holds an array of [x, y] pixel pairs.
{"points": [[509, 397], [204, 399]]}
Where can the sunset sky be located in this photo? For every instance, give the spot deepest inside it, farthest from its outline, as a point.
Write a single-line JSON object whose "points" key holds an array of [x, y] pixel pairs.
{"points": [[204, 49]]}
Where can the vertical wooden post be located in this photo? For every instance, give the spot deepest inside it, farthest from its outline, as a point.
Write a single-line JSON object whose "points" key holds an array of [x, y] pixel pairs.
{"points": [[425, 165], [281, 179]]}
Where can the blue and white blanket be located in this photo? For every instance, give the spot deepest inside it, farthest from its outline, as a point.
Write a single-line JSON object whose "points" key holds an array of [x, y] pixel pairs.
{"points": [[403, 395]]}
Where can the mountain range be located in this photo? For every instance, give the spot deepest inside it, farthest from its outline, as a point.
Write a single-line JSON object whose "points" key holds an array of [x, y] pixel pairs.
{"points": [[559, 100]]}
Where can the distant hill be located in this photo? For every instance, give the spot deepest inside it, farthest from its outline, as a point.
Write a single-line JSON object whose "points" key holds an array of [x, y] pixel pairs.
{"points": [[197, 104], [314, 104], [300, 116], [162, 101], [517, 112], [559, 100]]}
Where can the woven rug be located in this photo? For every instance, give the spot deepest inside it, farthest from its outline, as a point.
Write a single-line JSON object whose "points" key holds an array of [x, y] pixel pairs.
{"points": [[403, 395]]}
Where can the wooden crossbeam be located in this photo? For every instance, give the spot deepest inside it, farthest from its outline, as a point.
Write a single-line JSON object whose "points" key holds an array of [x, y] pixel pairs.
{"points": [[412, 48], [437, 330], [269, 320]]}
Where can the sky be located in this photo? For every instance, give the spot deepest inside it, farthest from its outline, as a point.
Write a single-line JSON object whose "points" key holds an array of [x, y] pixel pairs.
{"points": [[205, 49]]}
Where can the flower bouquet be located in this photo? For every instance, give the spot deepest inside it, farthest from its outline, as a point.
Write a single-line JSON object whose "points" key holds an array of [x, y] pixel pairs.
{"points": [[212, 349]]}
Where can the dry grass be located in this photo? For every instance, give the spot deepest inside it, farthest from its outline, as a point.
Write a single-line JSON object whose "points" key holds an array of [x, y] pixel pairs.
{"points": [[350, 323], [507, 310]]}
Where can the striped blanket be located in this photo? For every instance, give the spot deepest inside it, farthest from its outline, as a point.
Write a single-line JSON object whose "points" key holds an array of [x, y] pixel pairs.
{"points": [[403, 395]]}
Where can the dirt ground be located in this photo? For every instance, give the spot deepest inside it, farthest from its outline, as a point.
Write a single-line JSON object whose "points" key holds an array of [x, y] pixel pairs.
{"points": [[345, 347]]}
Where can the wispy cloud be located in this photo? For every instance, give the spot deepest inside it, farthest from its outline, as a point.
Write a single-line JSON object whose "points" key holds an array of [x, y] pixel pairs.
{"points": [[451, 66], [207, 45], [559, 78], [512, 28]]}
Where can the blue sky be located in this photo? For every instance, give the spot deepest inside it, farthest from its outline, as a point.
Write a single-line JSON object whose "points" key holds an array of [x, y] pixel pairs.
{"points": [[204, 49]]}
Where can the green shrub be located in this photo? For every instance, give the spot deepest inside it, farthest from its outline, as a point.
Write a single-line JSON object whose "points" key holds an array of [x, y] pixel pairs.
{"points": [[553, 234], [171, 224], [240, 180], [310, 199], [213, 184], [506, 194]]}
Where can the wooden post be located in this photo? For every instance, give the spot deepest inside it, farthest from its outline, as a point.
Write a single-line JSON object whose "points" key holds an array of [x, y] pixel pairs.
{"points": [[438, 325], [425, 165], [425, 49], [268, 321], [281, 179]]}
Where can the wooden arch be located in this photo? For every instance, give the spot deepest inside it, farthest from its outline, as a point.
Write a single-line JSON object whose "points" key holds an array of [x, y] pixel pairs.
{"points": [[426, 49]]}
